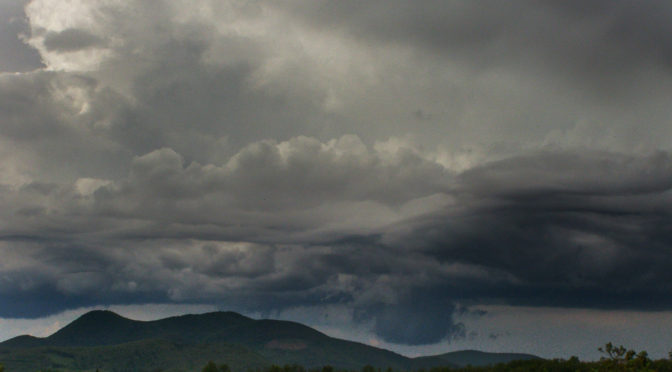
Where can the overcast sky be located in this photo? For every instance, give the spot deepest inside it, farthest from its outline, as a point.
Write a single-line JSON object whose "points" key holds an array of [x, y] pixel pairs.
{"points": [[421, 175]]}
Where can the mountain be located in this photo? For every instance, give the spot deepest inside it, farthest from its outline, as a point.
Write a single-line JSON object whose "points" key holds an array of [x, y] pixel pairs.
{"points": [[470, 357], [105, 340], [107, 328]]}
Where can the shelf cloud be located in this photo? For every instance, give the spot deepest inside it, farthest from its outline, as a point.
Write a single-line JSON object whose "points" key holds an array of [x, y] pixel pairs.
{"points": [[409, 162]]}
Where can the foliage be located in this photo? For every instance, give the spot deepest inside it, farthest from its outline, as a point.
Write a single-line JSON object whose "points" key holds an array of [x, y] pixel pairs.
{"points": [[616, 358], [143, 357], [212, 367]]}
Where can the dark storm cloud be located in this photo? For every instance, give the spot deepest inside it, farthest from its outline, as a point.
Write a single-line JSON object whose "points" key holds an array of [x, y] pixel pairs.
{"points": [[546, 229], [571, 230], [558, 174], [400, 159], [398, 324]]}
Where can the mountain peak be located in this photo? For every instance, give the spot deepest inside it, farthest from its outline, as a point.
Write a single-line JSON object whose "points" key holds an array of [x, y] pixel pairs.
{"points": [[98, 319], [94, 327], [193, 339], [223, 315], [21, 342], [100, 315]]}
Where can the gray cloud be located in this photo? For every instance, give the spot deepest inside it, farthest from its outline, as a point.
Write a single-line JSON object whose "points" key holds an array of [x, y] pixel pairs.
{"points": [[593, 40], [399, 160], [16, 56], [71, 40], [399, 324], [593, 238]]}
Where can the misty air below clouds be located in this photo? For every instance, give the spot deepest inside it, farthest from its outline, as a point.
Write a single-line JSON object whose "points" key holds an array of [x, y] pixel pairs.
{"points": [[417, 175]]}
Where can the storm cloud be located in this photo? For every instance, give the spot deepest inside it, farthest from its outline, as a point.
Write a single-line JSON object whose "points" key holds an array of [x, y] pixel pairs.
{"points": [[405, 161]]}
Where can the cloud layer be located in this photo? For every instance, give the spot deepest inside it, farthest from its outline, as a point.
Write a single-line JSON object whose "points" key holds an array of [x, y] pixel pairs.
{"points": [[400, 160]]}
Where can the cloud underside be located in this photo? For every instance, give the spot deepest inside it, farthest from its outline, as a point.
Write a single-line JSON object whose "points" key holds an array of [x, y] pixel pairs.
{"points": [[401, 163]]}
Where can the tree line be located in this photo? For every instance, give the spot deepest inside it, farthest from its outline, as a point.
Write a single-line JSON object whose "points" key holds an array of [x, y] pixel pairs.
{"points": [[614, 358]]}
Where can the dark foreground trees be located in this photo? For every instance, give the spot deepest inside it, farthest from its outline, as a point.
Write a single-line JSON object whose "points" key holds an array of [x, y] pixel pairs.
{"points": [[615, 359], [212, 367]]}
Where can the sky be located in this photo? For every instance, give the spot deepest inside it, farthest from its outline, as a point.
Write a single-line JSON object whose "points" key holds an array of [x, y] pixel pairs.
{"points": [[421, 176]]}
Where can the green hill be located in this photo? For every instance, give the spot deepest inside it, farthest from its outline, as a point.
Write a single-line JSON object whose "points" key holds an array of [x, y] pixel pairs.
{"points": [[470, 357], [144, 355], [105, 340]]}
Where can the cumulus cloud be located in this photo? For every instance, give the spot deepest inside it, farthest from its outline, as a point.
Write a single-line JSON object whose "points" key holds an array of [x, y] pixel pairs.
{"points": [[396, 159]]}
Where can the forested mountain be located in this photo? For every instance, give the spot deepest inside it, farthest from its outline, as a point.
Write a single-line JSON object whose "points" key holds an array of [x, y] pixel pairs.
{"points": [[103, 339]]}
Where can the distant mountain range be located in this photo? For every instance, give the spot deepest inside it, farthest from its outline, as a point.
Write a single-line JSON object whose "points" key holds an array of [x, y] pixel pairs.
{"points": [[105, 340]]}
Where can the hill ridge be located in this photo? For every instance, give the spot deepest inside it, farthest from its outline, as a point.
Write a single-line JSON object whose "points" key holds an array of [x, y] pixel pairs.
{"points": [[96, 334]]}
